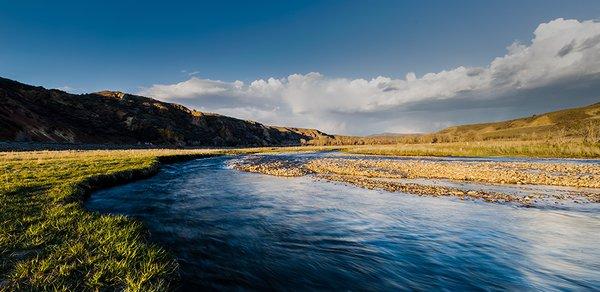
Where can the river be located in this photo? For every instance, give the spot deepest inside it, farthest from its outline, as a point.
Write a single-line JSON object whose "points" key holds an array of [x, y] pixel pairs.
{"points": [[236, 230]]}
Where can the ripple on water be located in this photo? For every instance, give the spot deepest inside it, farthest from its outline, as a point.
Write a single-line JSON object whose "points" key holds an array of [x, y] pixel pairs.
{"points": [[231, 230]]}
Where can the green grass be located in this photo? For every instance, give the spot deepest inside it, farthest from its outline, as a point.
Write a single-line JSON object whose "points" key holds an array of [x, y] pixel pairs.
{"points": [[49, 241]]}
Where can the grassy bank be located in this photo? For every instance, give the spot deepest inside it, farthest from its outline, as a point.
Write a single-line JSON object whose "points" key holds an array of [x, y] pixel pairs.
{"points": [[573, 149], [47, 239]]}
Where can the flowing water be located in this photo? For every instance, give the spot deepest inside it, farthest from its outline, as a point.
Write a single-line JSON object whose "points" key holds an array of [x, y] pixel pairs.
{"points": [[236, 230]]}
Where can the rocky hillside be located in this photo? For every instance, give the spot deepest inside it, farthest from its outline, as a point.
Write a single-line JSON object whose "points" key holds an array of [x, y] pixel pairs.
{"points": [[29, 113]]}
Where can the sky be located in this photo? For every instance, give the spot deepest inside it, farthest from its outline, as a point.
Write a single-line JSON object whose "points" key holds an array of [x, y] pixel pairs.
{"points": [[345, 67]]}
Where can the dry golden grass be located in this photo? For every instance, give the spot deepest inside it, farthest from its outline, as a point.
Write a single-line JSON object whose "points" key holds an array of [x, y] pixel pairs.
{"points": [[566, 149]]}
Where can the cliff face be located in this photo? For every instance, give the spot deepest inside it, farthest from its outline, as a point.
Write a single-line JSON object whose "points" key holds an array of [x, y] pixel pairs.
{"points": [[29, 113]]}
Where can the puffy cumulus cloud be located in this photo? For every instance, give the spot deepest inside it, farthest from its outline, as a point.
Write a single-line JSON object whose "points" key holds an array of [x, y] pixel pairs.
{"points": [[191, 88], [563, 58]]}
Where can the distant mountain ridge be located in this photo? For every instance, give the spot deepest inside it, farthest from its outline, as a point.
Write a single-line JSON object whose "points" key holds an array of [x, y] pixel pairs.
{"points": [[30, 113]]}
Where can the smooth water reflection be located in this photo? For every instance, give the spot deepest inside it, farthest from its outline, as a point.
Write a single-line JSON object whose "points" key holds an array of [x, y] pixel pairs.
{"points": [[231, 230]]}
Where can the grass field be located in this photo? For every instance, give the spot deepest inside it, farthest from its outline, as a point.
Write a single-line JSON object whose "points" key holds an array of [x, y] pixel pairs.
{"points": [[571, 149], [49, 241]]}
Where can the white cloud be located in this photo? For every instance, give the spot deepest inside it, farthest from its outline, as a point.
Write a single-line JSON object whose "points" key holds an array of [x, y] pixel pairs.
{"points": [[68, 89], [560, 51]]}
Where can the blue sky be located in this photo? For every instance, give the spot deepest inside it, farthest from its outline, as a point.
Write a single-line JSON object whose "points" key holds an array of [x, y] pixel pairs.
{"points": [[88, 46], [127, 44]]}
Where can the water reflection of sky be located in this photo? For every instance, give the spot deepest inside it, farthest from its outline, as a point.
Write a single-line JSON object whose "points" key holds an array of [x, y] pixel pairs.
{"points": [[231, 229], [564, 247]]}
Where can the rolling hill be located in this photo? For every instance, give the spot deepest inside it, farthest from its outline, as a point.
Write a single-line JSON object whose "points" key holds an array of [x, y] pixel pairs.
{"points": [[573, 123], [582, 123], [36, 114]]}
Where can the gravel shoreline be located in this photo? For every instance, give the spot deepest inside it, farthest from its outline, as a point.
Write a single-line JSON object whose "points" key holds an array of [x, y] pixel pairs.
{"points": [[388, 175]]}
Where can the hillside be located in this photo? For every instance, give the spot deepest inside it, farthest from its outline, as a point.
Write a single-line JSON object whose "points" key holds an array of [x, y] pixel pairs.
{"points": [[29, 113], [581, 122]]}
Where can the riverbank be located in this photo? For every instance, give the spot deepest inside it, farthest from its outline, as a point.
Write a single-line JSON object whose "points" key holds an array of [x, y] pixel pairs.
{"points": [[541, 148], [47, 239], [531, 148], [490, 181]]}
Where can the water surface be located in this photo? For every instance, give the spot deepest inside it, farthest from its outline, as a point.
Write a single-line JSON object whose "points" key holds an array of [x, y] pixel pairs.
{"points": [[236, 230]]}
